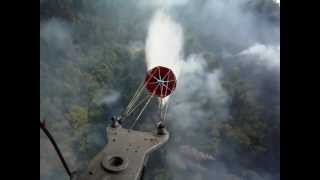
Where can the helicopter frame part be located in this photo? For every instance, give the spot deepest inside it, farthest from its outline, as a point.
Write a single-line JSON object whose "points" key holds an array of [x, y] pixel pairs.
{"points": [[123, 158]]}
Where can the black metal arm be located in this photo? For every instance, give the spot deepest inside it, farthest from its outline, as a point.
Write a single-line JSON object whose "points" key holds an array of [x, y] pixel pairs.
{"points": [[46, 131]]}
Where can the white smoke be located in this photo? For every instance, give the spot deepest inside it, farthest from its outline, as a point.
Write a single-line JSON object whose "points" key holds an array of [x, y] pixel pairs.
{"points": [[195, 88], [111, 98], [265, 54], [56, 33], [164, 43]]}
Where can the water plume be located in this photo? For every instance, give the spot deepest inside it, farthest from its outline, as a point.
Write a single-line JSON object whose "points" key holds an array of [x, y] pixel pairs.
{"points": [[164, 44]]}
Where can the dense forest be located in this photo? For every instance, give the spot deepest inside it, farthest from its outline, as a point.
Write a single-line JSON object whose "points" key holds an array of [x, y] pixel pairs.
{"points": [[224, 116]]}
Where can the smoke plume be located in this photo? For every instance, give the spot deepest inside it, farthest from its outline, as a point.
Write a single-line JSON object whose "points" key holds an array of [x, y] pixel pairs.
{"points": [[267, 55]]}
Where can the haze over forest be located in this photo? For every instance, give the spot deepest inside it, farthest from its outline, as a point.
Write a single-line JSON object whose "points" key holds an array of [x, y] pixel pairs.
{"points": [[224, 116]]}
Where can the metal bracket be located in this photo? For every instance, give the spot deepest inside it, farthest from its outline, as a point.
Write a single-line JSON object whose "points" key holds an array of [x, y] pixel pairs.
{"points": [[124, 156]]}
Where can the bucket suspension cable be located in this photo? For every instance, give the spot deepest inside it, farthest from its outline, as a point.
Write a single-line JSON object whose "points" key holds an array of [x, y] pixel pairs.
{"points": [[138, 104], [149, 99], [135, 96], [166, 110], [131, 106]]}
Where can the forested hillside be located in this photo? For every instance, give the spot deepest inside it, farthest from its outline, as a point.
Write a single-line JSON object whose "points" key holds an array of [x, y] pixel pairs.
{"points": [[224, 117]]}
